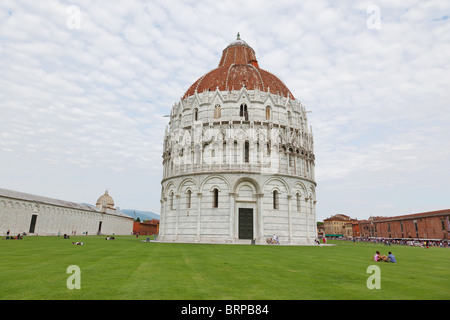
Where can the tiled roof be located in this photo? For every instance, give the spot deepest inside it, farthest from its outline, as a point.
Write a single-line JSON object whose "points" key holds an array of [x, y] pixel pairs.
{"points": [[239, 67], [44, 200]]}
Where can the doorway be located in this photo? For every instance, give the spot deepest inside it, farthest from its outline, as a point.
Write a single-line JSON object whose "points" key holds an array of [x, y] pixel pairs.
{"points": [[245, 223], [33, 223]]}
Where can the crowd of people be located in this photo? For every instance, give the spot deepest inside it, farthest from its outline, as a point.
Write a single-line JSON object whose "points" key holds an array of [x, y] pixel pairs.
{"points": [[426, 243], [11, 237], [408, 242], [65, 236]]}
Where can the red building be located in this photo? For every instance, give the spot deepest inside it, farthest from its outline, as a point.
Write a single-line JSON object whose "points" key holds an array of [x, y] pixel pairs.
{"points": [[147, 227], [432, 225], [355, 229]]}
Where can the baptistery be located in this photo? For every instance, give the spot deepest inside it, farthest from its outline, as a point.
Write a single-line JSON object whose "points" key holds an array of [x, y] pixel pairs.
{"points": [[238, 159]]}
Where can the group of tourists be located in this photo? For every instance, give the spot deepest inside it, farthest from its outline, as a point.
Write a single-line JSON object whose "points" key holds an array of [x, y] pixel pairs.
{"points": [[273, 240], [19, 236], [317, 240], [423, 243], [389, 258]]}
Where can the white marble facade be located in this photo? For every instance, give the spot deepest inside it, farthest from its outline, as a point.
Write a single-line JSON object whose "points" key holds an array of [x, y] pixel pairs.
{"points": [[53, 216], [238, 166]]}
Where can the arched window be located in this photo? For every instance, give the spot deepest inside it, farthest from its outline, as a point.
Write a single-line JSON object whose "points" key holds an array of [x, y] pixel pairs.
{"points": [[224, 152], [171, 200], [246, 152], [243, 112], [268, 115], [189, 198], [276, 199], [217, 111], [258, 151], [299, 203], [195, 114], [215, 198]]}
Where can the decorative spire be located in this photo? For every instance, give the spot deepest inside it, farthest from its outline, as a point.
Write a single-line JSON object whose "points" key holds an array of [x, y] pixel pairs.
{"points": [[238, 36]]}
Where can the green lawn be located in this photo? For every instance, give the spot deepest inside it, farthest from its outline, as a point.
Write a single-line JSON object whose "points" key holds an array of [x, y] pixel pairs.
{"points": [[128, 268]]}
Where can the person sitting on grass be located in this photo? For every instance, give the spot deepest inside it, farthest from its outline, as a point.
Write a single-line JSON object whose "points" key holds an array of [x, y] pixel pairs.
{"points": [[275, 239], [376, 257], [391, 258]]}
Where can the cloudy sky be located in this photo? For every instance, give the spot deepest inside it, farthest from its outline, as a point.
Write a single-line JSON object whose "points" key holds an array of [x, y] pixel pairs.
{"points": [[84, 86]]}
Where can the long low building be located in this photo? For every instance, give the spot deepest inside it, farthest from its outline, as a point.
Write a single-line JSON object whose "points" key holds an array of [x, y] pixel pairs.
{"points": [[37, 215], [432, 225]]}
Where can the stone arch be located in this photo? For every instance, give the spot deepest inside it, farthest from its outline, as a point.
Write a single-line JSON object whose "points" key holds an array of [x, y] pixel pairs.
{"points": [[299, 195], [276, 194], [186, 181], [282, 182], [169, 187], [253, 182], [205, 182], [299, 187], [214, 191], [246, 190]]}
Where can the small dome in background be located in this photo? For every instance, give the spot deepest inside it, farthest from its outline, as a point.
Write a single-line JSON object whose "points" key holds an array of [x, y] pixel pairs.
{"points": [[105, 201]]}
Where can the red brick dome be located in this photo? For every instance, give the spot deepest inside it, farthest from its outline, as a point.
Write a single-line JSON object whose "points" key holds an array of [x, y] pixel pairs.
{"points": [[238, 67]]}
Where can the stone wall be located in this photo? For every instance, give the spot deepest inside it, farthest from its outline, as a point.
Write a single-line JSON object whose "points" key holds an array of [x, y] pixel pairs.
{"points": [[195, 218], [51, 218], [238, 162]]}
